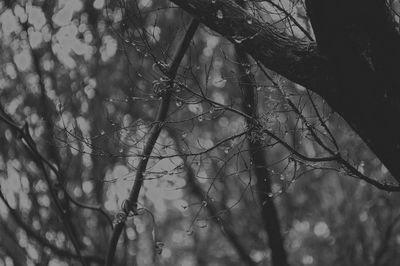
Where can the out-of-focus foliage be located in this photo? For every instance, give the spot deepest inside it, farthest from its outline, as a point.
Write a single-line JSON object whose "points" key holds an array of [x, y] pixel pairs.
{"points": [[83, 76]]}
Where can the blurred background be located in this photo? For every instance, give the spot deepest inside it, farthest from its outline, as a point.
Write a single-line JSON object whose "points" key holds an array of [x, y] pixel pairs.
{"points": [[80, 87]]}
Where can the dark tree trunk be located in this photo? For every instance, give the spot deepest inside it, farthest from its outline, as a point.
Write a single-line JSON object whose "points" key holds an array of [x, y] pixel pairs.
{"points": [[362, 47], [269, 213], [353, 69]]}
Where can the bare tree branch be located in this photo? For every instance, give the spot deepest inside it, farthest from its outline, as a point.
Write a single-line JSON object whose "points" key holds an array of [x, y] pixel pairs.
{"points": [[269, 212], [131, 202], [42, 240]]}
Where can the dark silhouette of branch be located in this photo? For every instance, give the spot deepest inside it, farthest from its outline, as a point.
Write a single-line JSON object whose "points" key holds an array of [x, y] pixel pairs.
{"points": [[354, 62], [96, 208], [131, 202], [269, 212], [42, 240], [298, 60], [336, 156], [303, 30], [194, 187], [10, 246], [362, 50], [63, 211], [30, 146]]}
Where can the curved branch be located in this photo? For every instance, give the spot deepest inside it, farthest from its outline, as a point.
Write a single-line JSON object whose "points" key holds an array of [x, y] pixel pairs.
{"points": [[131, 203], [291, 57], [356, 73], [42, 240]]}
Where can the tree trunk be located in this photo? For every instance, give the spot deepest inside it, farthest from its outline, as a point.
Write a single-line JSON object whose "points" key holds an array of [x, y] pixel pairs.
{"points": [[353, 69], [269, 212], [363, 50]]}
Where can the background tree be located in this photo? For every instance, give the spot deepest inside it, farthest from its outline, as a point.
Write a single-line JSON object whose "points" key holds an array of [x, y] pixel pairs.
{"points": [[201, 132]]}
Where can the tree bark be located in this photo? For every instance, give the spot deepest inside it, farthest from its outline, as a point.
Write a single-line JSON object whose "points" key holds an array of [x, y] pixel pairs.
{"points": [[362, 47], [353, 67], [269, 213]]}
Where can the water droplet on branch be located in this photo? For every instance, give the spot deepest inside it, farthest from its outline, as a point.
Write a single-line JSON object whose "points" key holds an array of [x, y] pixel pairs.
{"points": [[220, 15]]}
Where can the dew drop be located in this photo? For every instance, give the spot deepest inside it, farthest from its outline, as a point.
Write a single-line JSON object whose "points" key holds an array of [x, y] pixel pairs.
{"points": [[220, 15], [200, 118], [249, 21], [178, 103], [102, 132], [154, 67], [222, 83], [238, 39]]}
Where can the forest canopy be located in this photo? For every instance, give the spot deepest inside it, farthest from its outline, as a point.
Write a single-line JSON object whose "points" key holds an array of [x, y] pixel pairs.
{"points": [[199, 132]]}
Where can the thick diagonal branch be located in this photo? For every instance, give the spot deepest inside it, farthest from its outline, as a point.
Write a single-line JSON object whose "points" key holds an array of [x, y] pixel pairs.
{"points": [[355, 72], [153, 136]]}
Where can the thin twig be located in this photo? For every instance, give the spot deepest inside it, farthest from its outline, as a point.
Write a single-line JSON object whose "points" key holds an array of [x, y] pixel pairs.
{"points": [[225, 227], [131, 202], [42, 240]]}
